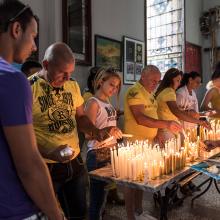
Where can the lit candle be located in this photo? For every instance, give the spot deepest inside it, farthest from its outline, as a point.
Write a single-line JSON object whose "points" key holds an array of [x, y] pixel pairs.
{"points": [[177, 160], [173, 162], [166, 163], [134, 169], [112, 162], [161, 168], [146, 173]]}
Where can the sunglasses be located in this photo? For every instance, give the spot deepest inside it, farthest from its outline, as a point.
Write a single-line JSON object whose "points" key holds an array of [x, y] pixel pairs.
{"points": [[19, 13], [102, 70], [16, 16]]}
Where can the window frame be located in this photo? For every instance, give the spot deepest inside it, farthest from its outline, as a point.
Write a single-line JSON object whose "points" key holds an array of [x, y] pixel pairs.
{"points": [[183, 35]]}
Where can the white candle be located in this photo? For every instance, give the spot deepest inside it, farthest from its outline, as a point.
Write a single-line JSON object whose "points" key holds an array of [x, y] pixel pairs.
{"points": [[112, 162], [146, 173]]}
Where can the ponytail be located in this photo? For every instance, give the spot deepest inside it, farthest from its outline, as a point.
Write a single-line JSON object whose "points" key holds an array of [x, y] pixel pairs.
{"points": [[187, 76]]}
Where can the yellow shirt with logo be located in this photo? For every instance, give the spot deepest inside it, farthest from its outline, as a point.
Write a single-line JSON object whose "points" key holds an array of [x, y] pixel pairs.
{"points": [[54, 113], [138, 95], [164, 113], [215, 100]]}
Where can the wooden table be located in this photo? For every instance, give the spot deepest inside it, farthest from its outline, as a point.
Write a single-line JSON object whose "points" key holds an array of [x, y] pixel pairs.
{"points": [[158, 185]]}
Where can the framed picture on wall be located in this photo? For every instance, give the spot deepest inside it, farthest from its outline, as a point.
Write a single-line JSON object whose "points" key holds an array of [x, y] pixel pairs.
{"points": [[108, 52], [133, 59], [77, 28]]}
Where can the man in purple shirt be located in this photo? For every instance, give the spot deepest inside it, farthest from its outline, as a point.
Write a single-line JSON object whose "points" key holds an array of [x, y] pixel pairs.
{"points": [[26, 191]]}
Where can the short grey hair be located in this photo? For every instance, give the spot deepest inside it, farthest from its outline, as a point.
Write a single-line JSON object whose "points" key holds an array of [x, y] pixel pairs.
{"points": [[150, 68]]}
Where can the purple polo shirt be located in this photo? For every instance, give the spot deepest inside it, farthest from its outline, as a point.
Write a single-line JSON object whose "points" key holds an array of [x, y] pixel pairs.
{"points": [[15, 109]]}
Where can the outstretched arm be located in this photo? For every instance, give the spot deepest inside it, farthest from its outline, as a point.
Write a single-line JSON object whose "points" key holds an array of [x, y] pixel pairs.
{"points": [[87, 126], [142, 119], [84, 123], [184, 116]]}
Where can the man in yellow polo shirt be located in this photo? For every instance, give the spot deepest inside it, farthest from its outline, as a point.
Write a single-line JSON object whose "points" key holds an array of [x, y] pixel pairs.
{"points": [[141, 120], [57, 112]]}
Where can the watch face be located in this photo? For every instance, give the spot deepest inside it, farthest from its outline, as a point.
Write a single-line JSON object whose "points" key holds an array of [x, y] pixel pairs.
{"points": [[160, 6]]}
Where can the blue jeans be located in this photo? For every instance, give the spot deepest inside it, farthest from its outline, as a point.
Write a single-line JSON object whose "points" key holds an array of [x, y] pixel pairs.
{"points": [[70, 181], [97, 187]]}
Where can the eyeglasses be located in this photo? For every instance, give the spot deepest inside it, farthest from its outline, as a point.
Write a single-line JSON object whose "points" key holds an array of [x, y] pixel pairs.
{"points": [[19, 13]]}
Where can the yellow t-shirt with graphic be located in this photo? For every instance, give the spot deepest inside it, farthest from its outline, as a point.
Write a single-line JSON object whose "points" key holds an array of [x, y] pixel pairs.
{"points": [[164, 113], [215, 100], [137, 95], [54, 113]]}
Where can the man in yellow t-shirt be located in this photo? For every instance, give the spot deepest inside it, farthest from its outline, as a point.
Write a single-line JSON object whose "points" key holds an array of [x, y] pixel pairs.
{"points": [[140, 107], [54, 112], [141, 120], [136, 96], [57, 112]]}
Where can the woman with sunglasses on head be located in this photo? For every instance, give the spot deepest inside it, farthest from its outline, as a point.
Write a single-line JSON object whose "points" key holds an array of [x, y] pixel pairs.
{"points": [[167, 104], [186, 97], [113, 196], [106, 84]]}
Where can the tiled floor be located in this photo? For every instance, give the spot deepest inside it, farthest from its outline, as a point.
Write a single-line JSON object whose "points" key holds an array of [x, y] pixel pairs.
{"points": [[206, 207]]}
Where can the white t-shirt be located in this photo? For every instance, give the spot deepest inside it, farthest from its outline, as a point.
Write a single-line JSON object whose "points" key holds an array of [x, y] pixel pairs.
{"points": [[186, 101], [106, 117]]}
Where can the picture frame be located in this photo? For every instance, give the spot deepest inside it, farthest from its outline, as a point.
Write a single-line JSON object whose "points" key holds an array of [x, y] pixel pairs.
{"points": [[108, 52], [134, 59], [76, 19]]}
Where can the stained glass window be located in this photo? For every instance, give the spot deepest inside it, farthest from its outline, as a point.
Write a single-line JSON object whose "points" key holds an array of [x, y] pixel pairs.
{"points": [[165, 33]]}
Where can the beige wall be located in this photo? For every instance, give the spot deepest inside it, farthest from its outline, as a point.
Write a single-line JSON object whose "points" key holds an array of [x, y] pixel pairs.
{"points": [[113, 19], [110, 18]]}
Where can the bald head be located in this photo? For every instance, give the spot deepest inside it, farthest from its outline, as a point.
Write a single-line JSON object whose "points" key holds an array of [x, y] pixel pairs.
{"points": [[58, 64], [150, 77], [59, 53]]}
